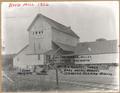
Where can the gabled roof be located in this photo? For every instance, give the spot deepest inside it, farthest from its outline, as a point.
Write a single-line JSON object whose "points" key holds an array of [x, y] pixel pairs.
{"points": [[25, 47], [97, 47], [64, 46], [55, 25], [86, 48]]}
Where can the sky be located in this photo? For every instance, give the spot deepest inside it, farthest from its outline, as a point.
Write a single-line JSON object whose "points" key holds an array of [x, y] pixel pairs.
{"points": [[89, 20]]}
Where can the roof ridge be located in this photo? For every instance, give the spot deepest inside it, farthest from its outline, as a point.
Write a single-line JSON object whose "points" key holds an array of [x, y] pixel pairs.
{"points": [[96, 41], [55, 24], [107, 46], [53, 20], [64, 27]]}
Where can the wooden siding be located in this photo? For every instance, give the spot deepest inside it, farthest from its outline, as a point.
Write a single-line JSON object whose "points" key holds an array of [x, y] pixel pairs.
{"points": [[42, 43], [64, 38], [98, 58], [22, 60]]}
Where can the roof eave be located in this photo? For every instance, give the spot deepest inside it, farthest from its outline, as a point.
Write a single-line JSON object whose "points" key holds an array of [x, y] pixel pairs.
{"points": [[32, 22], [66, 32]]}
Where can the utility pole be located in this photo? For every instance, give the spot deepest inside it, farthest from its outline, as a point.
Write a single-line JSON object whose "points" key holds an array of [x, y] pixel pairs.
{"points": [[56, 72], [57, 82], [56, 69], [54, 66]]}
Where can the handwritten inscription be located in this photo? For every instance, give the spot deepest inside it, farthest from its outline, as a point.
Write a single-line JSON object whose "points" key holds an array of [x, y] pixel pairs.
{"points": [[14, 5], [11, 5]]}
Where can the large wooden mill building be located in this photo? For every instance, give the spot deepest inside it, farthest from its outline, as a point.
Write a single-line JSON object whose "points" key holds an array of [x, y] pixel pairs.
{"points": [[49, 39], [46, 38]]}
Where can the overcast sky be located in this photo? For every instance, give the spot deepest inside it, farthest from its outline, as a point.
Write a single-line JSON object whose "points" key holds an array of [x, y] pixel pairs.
{"points": [[89, 20]]}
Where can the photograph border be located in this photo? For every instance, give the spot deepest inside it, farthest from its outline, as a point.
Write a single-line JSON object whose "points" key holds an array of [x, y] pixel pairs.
{"points": [[1, 59]]}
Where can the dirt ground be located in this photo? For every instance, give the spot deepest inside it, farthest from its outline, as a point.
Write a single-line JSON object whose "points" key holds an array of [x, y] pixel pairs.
{"points": [[44, 83], [37, 83]]}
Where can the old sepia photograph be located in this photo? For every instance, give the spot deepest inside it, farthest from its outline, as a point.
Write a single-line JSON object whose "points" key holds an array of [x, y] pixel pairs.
{"points": [[60, 46]]}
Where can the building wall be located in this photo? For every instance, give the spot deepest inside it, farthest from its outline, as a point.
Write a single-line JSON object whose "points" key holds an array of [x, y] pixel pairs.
{"points": [[40, 42], [98, 58], [64, 38], [105, 73], [22, 60]]}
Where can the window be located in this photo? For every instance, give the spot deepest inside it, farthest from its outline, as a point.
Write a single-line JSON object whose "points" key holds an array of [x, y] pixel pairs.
{"points": [[39, 45], [38, 57], [38, 34]]}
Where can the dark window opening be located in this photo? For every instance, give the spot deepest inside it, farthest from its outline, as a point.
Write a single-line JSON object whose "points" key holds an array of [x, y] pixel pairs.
{"points": [[38, 57], [39, 45], [36, 33], [34, 46]]}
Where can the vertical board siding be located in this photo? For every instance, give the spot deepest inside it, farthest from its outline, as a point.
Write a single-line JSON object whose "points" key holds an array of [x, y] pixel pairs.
{"points": [[64, 38], [40, 43]]}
